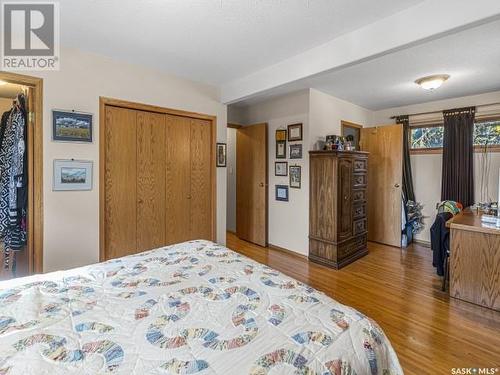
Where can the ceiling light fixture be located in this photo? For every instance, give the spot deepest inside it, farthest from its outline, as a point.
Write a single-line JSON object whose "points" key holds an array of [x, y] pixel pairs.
{"points": [[432, 82], [2, 82]]}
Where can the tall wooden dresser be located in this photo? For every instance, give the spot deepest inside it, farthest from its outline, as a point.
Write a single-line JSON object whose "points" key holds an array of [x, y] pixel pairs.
{"points": [[337, 211]]}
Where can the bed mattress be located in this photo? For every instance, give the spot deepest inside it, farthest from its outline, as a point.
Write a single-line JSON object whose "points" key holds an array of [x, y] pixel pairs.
{"points": [[190, 308]]}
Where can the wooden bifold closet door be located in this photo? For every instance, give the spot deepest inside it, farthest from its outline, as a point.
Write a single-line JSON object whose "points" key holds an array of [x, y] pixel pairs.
{"points": [[157, 180]]}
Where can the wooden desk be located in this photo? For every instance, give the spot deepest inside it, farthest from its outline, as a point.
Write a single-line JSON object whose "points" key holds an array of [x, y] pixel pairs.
{"points": [[474, 260]]}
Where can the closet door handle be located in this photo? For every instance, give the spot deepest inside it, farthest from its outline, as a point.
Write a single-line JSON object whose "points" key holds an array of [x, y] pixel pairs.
{"points": [[396, 185], [140, 201], [261, 184], [189, 197]]}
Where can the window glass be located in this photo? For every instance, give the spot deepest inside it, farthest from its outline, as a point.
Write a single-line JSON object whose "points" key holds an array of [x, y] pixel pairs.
{"points": [[426, 137], [487, 133]]}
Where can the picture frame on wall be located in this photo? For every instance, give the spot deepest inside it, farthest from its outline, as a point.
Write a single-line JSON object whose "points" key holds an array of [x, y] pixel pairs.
{"points": [[281, 168], [221, 154], [71, 126], [72, 175], [280, 149], [281, 135], [294, 132], [295, 176], [282, 193], [296, 151]]}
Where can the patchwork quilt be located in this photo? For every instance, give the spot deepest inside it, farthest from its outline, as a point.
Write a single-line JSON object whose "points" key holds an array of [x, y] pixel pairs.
{"points": [[190, 308]]}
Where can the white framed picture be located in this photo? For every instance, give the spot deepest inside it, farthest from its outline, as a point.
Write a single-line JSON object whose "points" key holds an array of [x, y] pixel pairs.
{"points": [[71, 175]]}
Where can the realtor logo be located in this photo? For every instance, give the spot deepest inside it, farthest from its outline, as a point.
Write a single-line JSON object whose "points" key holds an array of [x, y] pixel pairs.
{"points": [[30, 36]]}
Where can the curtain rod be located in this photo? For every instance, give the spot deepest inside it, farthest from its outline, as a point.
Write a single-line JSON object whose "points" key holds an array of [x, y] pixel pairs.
{"points": [[440, 111]]}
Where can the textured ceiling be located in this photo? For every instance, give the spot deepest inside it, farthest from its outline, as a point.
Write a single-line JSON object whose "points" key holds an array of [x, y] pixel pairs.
{"points": [[213, 41], [471, 57]]}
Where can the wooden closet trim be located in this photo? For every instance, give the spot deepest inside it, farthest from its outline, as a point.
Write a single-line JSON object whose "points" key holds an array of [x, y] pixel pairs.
{"points": [[35, 172], [105, 101]]}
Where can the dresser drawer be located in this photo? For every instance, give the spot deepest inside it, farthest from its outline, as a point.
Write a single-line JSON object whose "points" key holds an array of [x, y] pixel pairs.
{"points": [[351, 247], [359, 180], [359, 195], [359, 226], [359, 211], [360, 165]]}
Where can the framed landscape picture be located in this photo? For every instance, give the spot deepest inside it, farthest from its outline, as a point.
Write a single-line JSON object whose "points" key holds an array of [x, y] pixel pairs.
{"points": [[281, 168], [69, 126], [221, 154], [295, 176], [294, 132], [296, 151], [280, 149], [282, 193], [72, 175]]}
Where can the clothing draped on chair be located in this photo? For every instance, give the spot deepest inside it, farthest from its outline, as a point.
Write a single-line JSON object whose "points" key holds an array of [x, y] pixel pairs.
{"points": [[13, 179], [458, 156]]}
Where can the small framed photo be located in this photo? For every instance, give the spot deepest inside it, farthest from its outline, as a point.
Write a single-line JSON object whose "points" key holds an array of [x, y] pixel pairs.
{"points": [[221, 154], [70, 126], [281, 135], [296, 151], [281, 168], [72, 175], [282, 193], [295, 176], [280, 149], [294, 132]]}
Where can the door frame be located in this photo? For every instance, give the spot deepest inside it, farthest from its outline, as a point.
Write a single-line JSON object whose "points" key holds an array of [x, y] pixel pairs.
{"points": [[266, 183], [105, 101], [35, 169]]}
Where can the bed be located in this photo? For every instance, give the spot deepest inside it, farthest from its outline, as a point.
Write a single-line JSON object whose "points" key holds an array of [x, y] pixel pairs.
{"points": [[189, 308]]}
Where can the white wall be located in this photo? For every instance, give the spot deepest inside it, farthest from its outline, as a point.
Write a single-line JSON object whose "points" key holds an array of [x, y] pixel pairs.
{"points": [[71, 229], [231, 180], [320, 114], [426, 168], [288, 221], [5, 105], [326, 113]]}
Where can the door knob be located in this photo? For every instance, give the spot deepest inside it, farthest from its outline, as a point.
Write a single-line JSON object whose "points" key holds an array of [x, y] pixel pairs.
{"points": [[189, 197], [396, 185], [261, 184]]}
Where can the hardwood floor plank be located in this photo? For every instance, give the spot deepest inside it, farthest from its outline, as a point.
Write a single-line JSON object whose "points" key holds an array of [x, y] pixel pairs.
{"points": [[431, 332]]}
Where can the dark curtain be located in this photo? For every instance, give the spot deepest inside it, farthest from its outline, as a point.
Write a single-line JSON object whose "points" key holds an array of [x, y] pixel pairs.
{"points": [[458, 156], [408, 192]]}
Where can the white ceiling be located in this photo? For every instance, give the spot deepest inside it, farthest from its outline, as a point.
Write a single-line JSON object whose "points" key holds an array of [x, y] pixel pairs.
{"points": [[10, 90], [213, 41], [471, 57]]}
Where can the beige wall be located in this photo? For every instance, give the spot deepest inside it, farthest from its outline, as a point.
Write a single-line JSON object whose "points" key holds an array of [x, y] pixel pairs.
{"points": [[320, 115], [5, 105], [71, 229], [427, 168]]}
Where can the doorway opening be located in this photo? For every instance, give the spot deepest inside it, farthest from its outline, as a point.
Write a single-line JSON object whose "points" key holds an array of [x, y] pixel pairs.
{"points": [[21, 177], [247, 181]]}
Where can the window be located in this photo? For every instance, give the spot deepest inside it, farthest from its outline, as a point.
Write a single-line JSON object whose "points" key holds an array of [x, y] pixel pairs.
{"points": [[487, 133], [430, 137], [427, 137]]}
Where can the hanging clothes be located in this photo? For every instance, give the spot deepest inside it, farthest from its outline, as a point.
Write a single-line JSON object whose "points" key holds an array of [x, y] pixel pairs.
{"points": [[13, 179]]}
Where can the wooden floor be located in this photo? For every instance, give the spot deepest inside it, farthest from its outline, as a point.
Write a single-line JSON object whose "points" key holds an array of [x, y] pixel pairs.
{"points": [[431, 332]]}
